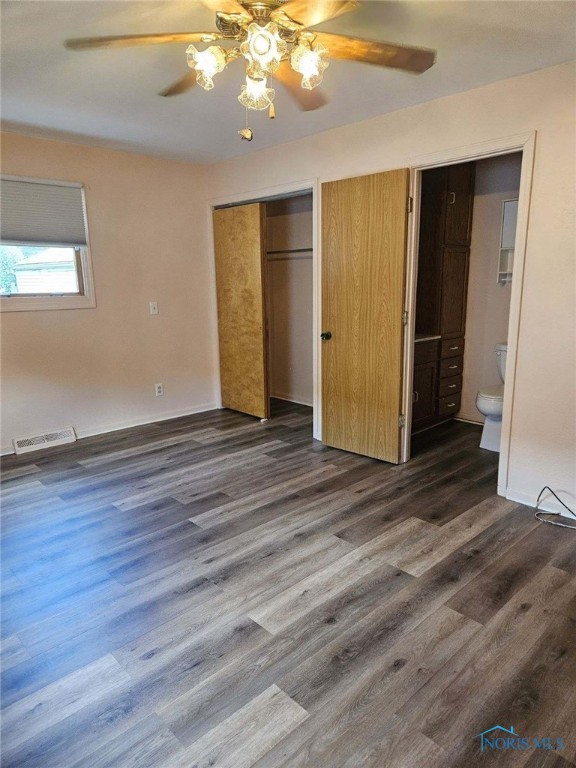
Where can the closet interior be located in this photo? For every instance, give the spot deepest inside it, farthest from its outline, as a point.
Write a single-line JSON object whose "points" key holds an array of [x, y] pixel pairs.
{"points": [[289, 268]]}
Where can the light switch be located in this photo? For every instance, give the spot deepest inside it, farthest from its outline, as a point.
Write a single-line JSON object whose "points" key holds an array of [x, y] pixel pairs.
{"points": [[153, 307]]}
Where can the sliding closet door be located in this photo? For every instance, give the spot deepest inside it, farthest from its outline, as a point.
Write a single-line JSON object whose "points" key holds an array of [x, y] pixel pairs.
{"points": [[364, 225], [239, 242]]}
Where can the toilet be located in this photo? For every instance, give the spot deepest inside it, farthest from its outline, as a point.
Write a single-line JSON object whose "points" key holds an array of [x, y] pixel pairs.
{"points": [[489, 402]]}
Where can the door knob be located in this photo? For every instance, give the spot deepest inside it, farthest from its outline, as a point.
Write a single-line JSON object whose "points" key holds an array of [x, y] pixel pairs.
{"points": [[326, 336]]}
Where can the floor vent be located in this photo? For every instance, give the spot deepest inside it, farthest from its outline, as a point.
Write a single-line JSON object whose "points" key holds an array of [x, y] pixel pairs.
{"points": [[35, 442]]}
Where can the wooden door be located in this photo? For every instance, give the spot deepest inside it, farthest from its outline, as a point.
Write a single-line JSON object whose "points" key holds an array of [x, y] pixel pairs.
{"points": [[363, 270], [239, 244]]}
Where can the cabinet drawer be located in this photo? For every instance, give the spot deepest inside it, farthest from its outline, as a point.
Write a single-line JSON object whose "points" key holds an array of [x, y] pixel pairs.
{"points": [[452, 347], [448, 405], [426, 351], [451, 366], [451, 386]]}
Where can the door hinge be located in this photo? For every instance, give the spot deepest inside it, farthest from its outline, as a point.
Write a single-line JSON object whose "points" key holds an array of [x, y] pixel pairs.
{"points": [[401, 421], [410, 206], [405, 317]]}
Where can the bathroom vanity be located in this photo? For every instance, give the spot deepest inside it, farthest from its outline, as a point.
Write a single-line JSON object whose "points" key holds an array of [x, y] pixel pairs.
{"points": [[443, 259]]}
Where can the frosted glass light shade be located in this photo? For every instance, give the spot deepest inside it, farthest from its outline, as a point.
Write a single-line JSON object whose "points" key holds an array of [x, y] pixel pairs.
{"points": [[255, 94], [310, 62], [263, 48], [206, 63]]}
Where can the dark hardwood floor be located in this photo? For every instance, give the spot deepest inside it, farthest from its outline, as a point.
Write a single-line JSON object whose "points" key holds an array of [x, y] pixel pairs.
{"points": [[212, 591]]}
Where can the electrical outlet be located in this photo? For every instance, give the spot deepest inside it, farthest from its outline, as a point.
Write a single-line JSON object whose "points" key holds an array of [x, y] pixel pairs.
{"points": [[159, 389], [153, 307]]}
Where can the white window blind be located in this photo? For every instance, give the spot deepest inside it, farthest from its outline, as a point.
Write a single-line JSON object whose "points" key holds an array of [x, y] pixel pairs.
{"points": [[41, 212]]}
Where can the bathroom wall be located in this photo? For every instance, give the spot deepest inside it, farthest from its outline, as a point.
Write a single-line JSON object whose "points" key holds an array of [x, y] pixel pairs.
{"points": [[289, 226], [497, 179]]}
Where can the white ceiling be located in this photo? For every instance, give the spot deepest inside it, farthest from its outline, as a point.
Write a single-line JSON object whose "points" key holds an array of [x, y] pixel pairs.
{"points": [[109, 97]]}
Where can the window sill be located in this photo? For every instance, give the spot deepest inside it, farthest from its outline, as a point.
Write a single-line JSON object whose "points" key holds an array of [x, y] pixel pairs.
{"points": [[29, 303]]}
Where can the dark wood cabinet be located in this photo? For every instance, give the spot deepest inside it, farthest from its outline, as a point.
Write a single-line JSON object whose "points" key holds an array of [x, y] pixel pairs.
{"points": [[424, 393], [454, 289], [448, 406], [451, 366], [459, 191], [443, 257], [450, 386], [452, 348], [431, 237]]}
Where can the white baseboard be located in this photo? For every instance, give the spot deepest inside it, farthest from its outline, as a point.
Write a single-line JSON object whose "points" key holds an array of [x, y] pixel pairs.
{"points": [[547, 504], [469, 421], [292, 399], [103, 429]]}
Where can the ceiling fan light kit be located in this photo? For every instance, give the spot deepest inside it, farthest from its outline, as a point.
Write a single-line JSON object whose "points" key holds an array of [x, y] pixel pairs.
{"points": [[273, 37]]}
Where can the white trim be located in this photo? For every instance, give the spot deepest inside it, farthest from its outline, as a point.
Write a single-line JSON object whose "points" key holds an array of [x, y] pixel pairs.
{"points": [[36, 180], [87, 300], [525, 143], [261, 195], [316, 311], [469, 421], [138, 422], [479, 151], [217, 391], [410, 306], [530, 500], [291, 399], [524, 193]]}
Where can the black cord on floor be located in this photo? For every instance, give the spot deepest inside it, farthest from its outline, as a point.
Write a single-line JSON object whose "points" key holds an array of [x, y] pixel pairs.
{"points": [[553, 514]]}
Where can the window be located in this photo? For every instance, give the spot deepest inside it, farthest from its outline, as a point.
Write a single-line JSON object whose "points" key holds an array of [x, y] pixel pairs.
{"points": [[44, 255]]}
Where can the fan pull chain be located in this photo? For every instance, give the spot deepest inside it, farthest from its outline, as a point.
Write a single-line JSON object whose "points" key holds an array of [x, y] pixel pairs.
{"points": [[271, 108], [246, 133]]}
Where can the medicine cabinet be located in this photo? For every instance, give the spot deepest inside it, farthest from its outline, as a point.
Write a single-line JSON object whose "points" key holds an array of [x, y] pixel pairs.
{"points": [[507, 239]]}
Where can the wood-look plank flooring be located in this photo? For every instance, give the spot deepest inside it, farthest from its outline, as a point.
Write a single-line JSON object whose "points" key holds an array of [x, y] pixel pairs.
{"points": [[213, 591]]}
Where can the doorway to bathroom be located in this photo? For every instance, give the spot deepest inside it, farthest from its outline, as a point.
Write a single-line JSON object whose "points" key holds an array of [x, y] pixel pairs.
{"points": [[461, 285]]}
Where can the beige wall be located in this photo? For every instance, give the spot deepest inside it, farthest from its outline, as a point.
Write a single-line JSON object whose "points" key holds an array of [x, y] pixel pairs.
{"points": [[95, 369], [543, 440], [488, 308], [289, 226]]}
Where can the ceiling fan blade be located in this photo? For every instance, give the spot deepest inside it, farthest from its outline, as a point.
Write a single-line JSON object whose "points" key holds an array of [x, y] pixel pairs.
{"points": [[226, 6], [125, 41], [307, 100], [309, 13], [382, 54], [180, 86]]}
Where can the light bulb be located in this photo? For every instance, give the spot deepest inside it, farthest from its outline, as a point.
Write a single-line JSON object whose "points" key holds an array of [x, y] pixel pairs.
{"points": [[310, 61], [261, 44], [255, 94], [206, 63]]}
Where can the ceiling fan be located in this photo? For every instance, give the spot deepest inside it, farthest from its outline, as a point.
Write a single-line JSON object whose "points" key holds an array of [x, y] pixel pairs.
{"points": [[275, 38]]}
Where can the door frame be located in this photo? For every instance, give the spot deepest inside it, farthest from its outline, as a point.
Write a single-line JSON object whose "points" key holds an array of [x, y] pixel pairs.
{"points": [[525, 143], [264, 195]]}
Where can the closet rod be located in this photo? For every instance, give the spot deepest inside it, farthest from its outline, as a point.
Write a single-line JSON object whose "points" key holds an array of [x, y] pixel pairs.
{"points": [[290, 250]]}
